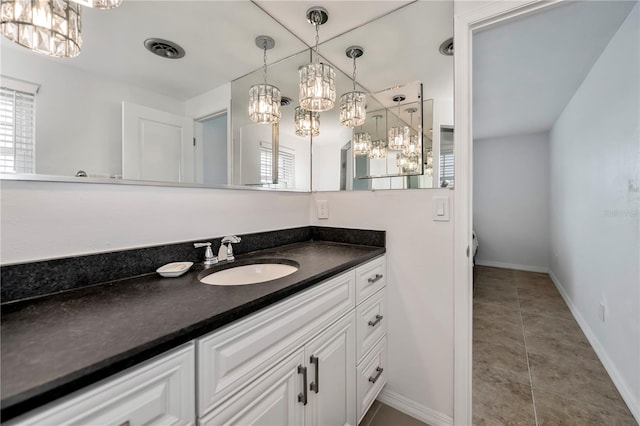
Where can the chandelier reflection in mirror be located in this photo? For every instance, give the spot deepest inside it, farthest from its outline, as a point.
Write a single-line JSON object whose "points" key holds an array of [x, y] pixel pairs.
{"points": [[361, 143], [353, 104], [50, 27], [412, 164], [428, 164], [100, 4], [307, 123], [413, 146], [379, 146], [264, 99], [317, 80], [399, 135]]}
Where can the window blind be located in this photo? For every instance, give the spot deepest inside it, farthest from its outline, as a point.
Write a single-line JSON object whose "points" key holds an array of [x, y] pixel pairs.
{"points": [[17, 131], [446, 169], [286, 169]]}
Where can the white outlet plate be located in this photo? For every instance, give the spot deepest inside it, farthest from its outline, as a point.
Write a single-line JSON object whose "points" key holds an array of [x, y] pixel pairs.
{"points": [[323, 209]]}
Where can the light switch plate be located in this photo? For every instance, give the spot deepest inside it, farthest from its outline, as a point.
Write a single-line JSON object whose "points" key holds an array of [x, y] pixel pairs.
{"points": [[323, 209], [441, 209]]}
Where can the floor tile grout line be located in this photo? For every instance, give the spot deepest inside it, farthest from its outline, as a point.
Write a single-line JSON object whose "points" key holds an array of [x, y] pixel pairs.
{"points": [[526, 354]]}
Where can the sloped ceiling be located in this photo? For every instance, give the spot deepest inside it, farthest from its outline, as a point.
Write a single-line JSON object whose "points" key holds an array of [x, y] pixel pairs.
{"points": [[526, 70]]}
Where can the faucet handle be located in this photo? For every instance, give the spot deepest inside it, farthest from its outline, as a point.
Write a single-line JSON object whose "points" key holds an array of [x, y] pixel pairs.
{"points": [[231, 239], [209, 258]]}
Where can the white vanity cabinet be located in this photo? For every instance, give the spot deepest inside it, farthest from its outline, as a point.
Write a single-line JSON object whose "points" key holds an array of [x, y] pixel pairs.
{"points": [[317, 358], [158, 392]]}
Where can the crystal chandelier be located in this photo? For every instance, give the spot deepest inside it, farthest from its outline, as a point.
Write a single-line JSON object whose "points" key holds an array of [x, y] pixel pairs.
{"points": [[264, 99], [361, 143], [307, 123], [379, 146], [399, 135], [429, 163], [352, 104], [100, 4], [317, 80], [412, 164], [413, 145], [50, 27]]}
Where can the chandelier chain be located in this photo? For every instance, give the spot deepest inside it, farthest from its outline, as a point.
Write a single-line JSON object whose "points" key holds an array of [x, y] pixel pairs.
{"points": [[354, 69], [316, 19], [264, 61]]}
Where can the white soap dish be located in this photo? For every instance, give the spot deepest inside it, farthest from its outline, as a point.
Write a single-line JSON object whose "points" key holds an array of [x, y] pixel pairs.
{"points": [[174, 269]]}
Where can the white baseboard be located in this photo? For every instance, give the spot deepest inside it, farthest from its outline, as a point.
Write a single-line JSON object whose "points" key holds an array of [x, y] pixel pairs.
{"points": [[528, 268], [414, 409], [628, 397]]}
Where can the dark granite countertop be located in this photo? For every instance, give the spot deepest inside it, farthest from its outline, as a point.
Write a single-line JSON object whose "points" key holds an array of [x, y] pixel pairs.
{"points": [[54, 345]]}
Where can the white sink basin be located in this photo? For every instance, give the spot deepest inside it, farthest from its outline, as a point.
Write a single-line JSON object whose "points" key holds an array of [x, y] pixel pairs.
{"points": [[249, 274]]}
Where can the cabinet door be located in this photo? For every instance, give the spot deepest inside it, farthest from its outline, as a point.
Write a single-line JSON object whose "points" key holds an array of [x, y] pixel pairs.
{"points": [[158, 392], [273, 399], [331, 365]]}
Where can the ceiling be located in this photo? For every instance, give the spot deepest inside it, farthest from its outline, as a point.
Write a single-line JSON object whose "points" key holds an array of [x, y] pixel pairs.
{"points": [[525, 71], [219, 40]]}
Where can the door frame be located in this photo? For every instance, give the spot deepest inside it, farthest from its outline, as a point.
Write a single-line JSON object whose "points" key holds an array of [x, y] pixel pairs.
{"points": [[470, 17]]}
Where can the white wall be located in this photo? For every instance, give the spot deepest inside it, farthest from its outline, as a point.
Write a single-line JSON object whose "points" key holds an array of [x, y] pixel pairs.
{"points": [[595, 206], [420, 290], [42, 220], [91, 105], [511, 201]]}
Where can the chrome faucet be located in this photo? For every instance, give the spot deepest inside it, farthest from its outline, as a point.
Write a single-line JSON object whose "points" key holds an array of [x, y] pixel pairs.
{"points": [[209, 258], [228, 241]]}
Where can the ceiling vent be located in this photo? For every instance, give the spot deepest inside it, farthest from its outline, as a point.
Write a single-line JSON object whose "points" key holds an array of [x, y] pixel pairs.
{"points": [[284, 101], [446, 48], [164, 48]]}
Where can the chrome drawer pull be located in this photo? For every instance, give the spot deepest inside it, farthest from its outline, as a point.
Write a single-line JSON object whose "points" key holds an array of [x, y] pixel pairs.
{"points": [[302, 397], [376, 278], [379, 371], [377, 320], [315, 386]]}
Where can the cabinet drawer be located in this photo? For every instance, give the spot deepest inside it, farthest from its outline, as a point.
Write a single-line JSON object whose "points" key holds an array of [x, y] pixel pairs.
{"points": [[370, 278], [372, 376], [159, 392], [372, 322], [232, 357]]}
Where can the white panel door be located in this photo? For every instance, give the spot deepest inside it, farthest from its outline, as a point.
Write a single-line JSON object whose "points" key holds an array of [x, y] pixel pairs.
{"points": [[156, 145], [331, 361], [273, 399]]}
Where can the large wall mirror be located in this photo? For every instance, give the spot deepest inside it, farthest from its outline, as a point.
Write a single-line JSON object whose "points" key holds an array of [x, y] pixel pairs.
{"points": [[119, 113]]}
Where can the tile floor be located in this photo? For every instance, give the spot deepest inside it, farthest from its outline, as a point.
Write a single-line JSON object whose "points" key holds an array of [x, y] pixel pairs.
{"points": [[532, 365], [382, 415]]}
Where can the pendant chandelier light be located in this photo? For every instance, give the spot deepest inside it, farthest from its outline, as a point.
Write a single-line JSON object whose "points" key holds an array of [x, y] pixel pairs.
{"points": [[399, 135], [317, 80], [50, 27], [264, 99], [412, 164], [100, 4], [429, 163], [379, 146], [413, 145], [307, 123], [352, 104], [361, 143]]}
